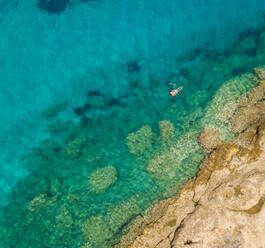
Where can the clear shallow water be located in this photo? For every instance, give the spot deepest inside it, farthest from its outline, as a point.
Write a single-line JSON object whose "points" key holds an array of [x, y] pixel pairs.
{"points": [[76, 96]]}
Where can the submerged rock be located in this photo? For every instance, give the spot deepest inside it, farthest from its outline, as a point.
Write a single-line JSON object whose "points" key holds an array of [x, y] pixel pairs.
{"points": [[102, 178], [122, 213], [53, 6], [244, 117], [210, 138], [133, 67], [40, 201], [228, 100], [73, 149], [140, 141], [95, 231], [166, 165], [260, 72], [246, 45], [222, 207], [95, 101], [167, 131], [251, 97]]}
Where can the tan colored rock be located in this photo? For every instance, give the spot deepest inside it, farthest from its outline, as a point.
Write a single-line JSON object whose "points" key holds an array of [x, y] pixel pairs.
{"points": [[164, 244], [251, 97], [244, 117], [261, 107], [231, 214], [260, 72], [210, 138], [158, 232], [223, 206], [225, 113], [248, 137]]}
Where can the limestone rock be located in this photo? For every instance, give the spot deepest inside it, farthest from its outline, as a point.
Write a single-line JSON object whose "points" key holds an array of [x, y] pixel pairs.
{"points": [[248, 137], [159, 232], [230, 213], [225, 113], [244, 117], [223, 206], [210, 138], [251, 97]]}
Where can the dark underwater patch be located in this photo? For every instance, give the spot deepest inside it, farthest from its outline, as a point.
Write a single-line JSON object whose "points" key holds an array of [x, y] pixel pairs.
{"points": [[115, 102], [189, 55], [133, 67], [238, 71], [53, 6], [78, 110], [81, 110], [85, 121], [248, 33], [93, 93], [252, 52], [87, 1]]}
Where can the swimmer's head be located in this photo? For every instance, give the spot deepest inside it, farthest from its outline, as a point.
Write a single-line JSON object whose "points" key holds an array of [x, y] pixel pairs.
{"points": [[173, 93]]}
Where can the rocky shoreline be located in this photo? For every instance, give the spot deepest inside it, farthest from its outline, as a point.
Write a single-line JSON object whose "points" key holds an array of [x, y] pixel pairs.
{"points": [[223, 205]]}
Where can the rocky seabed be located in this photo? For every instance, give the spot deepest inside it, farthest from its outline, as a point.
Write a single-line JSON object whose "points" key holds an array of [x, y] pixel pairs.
{"points": [[223, 206]]}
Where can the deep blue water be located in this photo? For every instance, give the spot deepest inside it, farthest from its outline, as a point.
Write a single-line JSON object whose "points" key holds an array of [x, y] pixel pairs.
{"points": [[77, 77]]}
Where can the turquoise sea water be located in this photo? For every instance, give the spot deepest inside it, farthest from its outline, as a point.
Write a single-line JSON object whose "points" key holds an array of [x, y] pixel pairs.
{"points": [[84, 90]]}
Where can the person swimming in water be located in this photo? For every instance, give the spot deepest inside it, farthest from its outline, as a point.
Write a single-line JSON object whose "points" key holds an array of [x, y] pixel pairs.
{"points": [[175, 91]]}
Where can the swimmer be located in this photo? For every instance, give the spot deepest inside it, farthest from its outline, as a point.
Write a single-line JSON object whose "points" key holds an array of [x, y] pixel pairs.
{"points": [[175, 91]]}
